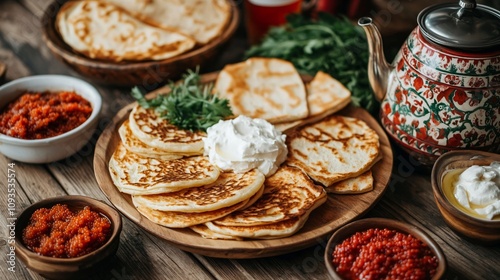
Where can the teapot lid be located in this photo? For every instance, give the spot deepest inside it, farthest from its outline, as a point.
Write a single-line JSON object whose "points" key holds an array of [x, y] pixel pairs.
{"points": [[464, 25]]}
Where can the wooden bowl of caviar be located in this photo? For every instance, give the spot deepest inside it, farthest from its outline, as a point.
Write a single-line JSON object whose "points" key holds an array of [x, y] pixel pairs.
{"points": [[466, 187], [67, 237], [46, 118], [378, 248]]}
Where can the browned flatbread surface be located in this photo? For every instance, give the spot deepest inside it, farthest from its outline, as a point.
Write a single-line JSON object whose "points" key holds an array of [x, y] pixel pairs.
{"points": [[137, 174], [149, 127], [229, 188], [266, 88], [103, 31], [325, 96], [134, 145], [360, 184], [288, 193], [274, 230], [175, 219], [333, 149], [202, 20]]}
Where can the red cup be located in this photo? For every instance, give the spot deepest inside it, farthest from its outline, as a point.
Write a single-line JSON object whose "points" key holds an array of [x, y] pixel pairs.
{"points": [[260, 15]]}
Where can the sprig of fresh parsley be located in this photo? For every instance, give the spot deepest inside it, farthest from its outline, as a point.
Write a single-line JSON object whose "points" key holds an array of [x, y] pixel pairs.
{"points": [[189, 104], [329, 43]]}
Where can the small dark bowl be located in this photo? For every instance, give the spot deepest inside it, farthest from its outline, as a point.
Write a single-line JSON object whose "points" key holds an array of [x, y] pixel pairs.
{"points": [[146, 73], [368, 223], [478, 230], [68, 268]]}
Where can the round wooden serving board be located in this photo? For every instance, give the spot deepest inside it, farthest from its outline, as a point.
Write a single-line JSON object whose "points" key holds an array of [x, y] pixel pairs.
{"points": [[336, 212]]}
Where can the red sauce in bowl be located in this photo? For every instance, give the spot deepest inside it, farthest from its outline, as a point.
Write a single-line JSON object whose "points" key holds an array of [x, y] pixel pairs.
{"points": [[39, 115], [59, 232], [384, 254]]}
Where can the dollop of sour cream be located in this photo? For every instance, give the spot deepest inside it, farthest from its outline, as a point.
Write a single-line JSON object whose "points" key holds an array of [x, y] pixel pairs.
{"points": [[243, 143], [478, 189]]}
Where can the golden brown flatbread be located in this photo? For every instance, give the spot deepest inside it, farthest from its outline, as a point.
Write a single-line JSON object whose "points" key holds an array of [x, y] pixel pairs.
{"points": [[360, 184], [202, 20], [266, 231], [137, 174], [266, 88], [175, 219], [230, 188], [134, 145], [103, 31], [205, 232], [325, 96], [333, 149], [288, 193], [157, 132]]}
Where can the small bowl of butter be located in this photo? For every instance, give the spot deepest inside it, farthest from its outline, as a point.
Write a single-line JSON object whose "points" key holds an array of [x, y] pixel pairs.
{"points": [[466, 187]]}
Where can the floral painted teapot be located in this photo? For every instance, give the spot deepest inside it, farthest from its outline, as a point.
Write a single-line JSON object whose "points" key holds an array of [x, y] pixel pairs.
{"points": [[442, 91]]}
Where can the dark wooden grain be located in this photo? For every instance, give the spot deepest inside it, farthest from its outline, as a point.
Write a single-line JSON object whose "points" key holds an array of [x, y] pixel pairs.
{"points": [[142, 255]]}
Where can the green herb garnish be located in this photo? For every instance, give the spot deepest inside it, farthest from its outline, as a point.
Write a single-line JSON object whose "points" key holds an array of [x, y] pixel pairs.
{"points": [[330, 44], [189, 104]]}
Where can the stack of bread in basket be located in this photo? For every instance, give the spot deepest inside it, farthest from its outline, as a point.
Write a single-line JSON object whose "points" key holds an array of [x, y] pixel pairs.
{"points": [[135, 30], [174, 184]]}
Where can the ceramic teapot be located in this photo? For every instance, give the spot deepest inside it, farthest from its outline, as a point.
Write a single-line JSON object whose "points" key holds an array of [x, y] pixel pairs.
{"points": [[442, 92]]}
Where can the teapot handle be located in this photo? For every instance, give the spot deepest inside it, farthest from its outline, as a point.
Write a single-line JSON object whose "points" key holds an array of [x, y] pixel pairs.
{"points": [[465, 5]]}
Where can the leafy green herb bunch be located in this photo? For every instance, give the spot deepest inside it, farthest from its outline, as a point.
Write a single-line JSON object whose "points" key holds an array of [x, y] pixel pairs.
{"points": [[189, 105]]}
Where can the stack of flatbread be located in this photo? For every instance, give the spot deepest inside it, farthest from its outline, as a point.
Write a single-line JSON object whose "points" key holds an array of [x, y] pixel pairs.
{"points": [[289, 197], [174, 185], [272, 89], [335, 151], [140, 30]]}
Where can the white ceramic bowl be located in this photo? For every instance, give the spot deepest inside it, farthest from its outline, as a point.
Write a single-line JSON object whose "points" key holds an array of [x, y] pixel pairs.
{"points": [[57, 147]]}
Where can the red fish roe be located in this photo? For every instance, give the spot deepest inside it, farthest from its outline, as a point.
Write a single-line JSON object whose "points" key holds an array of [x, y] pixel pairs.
{"points": [[59, 232], [36, 115], [384, 254]]}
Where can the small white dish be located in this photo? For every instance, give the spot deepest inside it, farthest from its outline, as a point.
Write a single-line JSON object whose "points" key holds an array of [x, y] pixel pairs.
{"points": [[57, 147]]}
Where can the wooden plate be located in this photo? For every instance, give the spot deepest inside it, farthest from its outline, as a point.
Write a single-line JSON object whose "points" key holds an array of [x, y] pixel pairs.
{"points": [[336, 212]]}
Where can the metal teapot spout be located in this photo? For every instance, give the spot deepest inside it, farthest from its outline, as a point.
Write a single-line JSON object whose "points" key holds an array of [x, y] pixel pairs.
{"points": [[378, 68]]}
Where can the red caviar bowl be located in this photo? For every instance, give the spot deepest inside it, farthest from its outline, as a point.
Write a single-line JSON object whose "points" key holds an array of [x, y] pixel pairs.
{"points": [[363, 225], [60, 146], [73, 267]]}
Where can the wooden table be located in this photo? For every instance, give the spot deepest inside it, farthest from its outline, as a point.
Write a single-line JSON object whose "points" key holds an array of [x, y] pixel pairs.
{"points": [[141, 255]]}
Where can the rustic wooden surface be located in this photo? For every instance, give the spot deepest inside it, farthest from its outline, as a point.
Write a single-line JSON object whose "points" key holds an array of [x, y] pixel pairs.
{"points": [[141, 255]]}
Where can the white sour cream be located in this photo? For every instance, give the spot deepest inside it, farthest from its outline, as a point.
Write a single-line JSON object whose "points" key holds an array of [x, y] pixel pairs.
{"points": [[478, 189], [243, 143]]}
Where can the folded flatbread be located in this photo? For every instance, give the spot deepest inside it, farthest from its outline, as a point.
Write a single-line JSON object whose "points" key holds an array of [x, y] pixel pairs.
{"points": [[360, 184], [325, 96], [150, 128], [139, 175], [202, 20], [104, 31], [288, 193], [229, 189], [333, 149], [266, 88]]}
